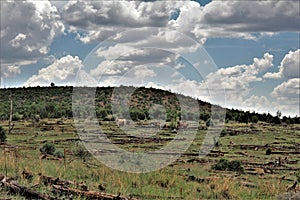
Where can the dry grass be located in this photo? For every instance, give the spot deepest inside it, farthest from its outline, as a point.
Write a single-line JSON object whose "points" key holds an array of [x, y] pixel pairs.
{"points": [[167, 182]]}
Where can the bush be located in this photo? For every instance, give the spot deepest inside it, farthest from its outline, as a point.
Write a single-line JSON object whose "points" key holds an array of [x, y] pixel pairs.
{"points": [[224, 164], [235, 165], [59, 154], [81, 152], [2, 135], [268, 151], [48, 148]]}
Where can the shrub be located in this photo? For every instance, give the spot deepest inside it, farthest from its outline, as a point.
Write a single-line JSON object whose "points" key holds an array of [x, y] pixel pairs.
{"points": [[235, 165], [268, 151], [59, 154], [2, 135], [81, 152], [223, 164], [48, 148]]}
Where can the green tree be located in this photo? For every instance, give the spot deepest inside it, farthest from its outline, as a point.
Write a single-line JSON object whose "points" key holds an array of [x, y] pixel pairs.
{"points": [[254, 119]]}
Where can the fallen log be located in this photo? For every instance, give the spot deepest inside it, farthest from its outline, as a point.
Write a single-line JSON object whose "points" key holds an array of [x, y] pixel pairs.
{"points": [[89, 194], [48, 180], [14, 188]]}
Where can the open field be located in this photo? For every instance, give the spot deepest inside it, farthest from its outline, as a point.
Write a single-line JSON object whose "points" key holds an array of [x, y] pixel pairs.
{"points": [[190, 177]]}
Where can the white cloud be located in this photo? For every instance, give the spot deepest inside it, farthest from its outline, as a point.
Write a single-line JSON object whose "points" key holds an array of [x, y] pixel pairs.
{"points": [[16, 41], [263, 64], [144, 72], [161, 38], [27, 30], [289, 67], [62, 71], [286, 96], [120, 59], [236, 80], [100, 19], [257, 103], [10, 71], [238, 18], [114, 52]]}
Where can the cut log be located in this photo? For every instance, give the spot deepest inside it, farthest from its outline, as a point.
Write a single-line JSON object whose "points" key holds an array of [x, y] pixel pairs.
{"points": [[14, 188], [89, 194]]}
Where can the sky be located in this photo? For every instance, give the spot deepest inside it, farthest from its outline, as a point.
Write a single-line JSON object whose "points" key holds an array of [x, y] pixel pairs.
{"points": [[238, 54]]}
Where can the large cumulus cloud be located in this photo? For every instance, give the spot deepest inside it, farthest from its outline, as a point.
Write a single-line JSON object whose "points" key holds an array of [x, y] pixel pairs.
{"points": [[97, 20], [238, 18], [286, 96], [63, 71], [27, 30], [289, 67]]}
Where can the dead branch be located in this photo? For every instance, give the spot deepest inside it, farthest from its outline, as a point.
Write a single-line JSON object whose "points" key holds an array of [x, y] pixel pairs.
{"points": [[89, 194]]}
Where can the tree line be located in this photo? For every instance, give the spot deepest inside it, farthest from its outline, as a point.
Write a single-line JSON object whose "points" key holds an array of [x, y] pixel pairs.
{"points": [[34, 103]]}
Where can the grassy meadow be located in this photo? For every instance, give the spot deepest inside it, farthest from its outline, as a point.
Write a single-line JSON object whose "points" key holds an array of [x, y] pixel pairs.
{"points": [[257, 156], [188, 178]]}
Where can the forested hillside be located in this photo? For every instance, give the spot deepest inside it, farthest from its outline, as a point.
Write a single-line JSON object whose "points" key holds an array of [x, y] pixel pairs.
{"points": [[56, 102]]}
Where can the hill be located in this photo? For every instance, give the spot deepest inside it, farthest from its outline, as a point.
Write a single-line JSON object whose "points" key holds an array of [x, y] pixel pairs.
{"points": [[56, 102]]}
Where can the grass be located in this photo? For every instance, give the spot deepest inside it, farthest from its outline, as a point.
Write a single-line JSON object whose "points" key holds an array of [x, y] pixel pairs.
{"points": [[169, 182]]}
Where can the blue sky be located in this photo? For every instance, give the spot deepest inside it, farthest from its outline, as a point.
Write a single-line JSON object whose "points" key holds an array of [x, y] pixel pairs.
{"points": [[248, 48]]}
